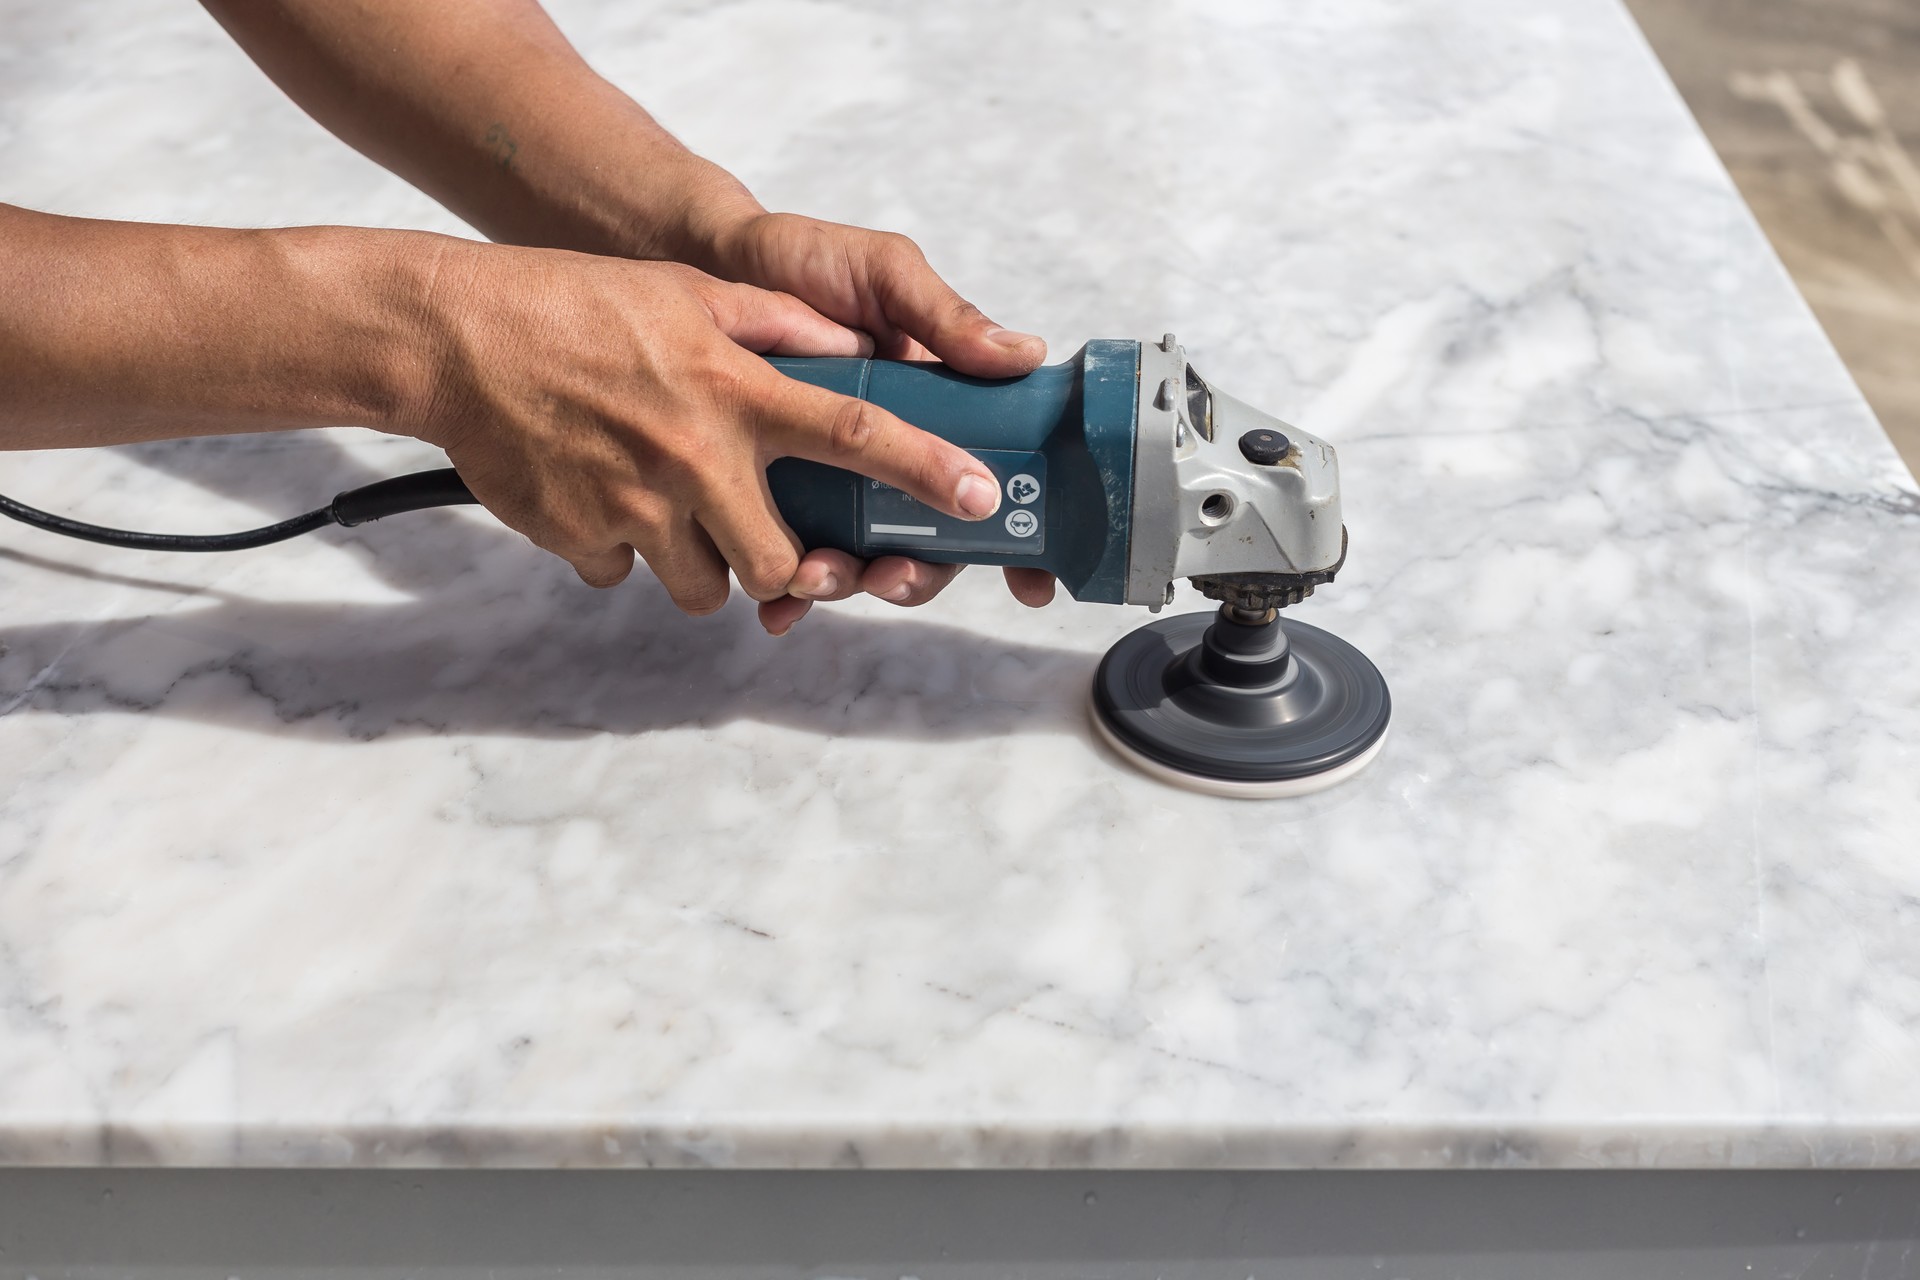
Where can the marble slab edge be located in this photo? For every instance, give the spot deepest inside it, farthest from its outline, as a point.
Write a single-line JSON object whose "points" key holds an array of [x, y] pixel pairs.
{"points": [[1625, 1142]]}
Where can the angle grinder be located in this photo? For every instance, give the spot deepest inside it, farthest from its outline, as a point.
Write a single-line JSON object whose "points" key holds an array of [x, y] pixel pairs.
{"points": [[1121, 470]]}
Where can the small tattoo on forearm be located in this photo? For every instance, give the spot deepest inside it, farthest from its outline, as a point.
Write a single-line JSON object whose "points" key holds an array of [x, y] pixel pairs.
{"points": [[502, 145]]}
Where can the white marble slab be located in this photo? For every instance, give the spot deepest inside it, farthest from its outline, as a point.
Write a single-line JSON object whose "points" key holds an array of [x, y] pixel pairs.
{"points": [[398, 847]]}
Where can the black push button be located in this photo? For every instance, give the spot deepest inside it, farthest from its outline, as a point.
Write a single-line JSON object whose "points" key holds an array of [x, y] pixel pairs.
{"points": [[1265, 447]]}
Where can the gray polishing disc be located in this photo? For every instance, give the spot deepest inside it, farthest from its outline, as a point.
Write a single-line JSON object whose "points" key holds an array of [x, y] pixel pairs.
{"points": [[1280, 708]]}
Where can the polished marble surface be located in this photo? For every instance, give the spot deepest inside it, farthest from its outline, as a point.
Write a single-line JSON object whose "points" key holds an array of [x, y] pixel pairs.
{"points": [[396, 846]]}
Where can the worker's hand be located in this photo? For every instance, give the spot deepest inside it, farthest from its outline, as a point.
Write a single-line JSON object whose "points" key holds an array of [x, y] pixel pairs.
{"points": [[603, 406], [881, 285], [570, 161]]}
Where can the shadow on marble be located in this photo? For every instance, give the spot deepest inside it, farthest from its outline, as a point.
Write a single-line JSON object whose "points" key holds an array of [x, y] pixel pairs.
{"points": [[506, 649]]}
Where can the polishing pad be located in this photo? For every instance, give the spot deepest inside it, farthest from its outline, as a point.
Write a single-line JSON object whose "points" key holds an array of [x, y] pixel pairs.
{"points": [[1229, 708]]}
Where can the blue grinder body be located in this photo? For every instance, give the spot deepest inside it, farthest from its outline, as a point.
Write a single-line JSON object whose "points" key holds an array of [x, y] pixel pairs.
{"points": [[1060, 440]]}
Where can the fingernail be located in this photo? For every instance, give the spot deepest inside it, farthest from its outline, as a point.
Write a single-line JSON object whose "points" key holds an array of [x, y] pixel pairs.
{"points": [[979, 497], [805, 608], [898, 593], [1010, 337], [824, 587]]}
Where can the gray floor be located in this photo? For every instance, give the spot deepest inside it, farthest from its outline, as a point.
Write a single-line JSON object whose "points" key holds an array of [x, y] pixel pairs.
{"points": [[92, 1224], [1814, 105]]}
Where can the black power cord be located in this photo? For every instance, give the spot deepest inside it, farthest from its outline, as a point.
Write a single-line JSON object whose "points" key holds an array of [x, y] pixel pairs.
{"points": [[416, 492]]}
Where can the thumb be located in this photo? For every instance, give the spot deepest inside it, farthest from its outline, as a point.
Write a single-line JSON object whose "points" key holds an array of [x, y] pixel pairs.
{"points": [[780, 324], [925, 307]]}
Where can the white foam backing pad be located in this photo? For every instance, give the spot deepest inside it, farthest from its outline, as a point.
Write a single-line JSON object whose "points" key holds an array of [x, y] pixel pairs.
{"points": [[1229, 788]]}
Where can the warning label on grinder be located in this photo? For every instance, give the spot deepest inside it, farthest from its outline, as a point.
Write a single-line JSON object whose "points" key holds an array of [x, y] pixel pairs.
{"points": [[891, 523]]}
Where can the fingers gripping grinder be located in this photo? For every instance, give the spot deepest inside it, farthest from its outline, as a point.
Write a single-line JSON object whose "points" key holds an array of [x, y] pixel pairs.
{"points": [[1121, 470]]}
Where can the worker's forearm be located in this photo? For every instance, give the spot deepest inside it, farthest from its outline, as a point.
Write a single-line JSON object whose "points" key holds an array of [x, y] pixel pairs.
{"points": [[116, 331], [485, 106]]}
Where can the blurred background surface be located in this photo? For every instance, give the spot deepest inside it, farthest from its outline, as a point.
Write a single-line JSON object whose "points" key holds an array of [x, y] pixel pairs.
{"points": [[1814, 105]]}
